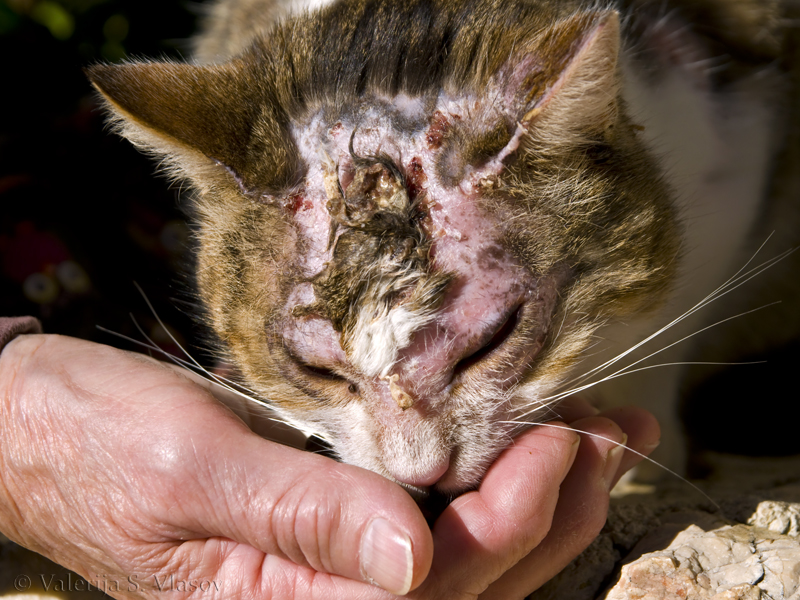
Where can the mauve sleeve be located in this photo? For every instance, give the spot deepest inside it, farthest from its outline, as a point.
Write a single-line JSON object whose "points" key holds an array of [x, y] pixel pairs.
{"points": [[11, 327]]}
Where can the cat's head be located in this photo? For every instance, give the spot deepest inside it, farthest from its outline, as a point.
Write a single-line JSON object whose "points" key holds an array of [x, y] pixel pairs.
{"points": [[411, 219]]}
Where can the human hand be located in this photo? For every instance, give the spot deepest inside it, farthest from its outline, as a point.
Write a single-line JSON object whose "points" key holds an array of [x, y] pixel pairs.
{"points": [[115, 465]]}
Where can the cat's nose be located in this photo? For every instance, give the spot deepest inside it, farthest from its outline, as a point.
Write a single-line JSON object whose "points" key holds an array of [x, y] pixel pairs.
{"points": [[439, 357]]}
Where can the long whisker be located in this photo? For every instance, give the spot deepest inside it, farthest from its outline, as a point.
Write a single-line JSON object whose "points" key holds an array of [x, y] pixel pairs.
{"points": [[752, 258], [164, 327], [194, 365], [645, 457], [681, 363], [727, 287], [183, 363], [731, 284], [625, 370], [214, 379], [551, 401]]}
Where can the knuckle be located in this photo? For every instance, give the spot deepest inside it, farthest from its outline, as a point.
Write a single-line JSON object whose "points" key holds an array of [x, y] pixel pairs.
{"points": [[305, 522]]}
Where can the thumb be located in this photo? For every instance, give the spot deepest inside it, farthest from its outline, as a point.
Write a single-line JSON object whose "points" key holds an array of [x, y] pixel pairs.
{"points": [[311, 510]]}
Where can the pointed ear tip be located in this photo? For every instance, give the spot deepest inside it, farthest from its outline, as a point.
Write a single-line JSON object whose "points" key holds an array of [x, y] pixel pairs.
{"points": [[606, 31], [610, 20], [97, 73]]}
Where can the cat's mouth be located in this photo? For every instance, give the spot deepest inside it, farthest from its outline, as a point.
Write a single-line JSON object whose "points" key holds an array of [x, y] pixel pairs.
{"points": [[431, 502]]}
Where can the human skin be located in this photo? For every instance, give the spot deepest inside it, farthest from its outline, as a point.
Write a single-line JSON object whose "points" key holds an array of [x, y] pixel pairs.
{"points": [[119, 466]]}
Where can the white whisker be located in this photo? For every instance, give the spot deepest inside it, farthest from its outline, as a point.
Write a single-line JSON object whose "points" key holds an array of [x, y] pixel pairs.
{"points": [[625, 370], [680, 363], [192, 364], [731, 284], [741, 277], [212, 378], [164, 327], [645, 457]]}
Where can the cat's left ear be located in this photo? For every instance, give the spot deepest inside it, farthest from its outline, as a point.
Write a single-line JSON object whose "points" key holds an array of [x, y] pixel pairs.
{"points": [[559, 91], [575, 92], [203, 121]]}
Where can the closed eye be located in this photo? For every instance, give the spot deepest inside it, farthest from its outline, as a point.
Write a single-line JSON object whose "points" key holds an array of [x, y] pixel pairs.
{"points": [[316, 373], [319, 372], [327, 375]]}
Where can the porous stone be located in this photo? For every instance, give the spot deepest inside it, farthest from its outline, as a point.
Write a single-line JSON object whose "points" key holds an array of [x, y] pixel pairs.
{"points": [[780, 517], [740, 561], [668, 543]]}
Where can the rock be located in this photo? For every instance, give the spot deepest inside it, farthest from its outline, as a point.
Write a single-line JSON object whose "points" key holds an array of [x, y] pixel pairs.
{"points": [[668, 543], [781, 517], [740, 562]]}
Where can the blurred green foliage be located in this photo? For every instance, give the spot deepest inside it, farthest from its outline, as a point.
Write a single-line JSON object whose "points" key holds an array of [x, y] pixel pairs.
{"points": [[55, 17], [64, 173], [107, 30]]}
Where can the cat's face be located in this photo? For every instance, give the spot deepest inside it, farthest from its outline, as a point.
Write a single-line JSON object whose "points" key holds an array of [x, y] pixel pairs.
{"points": [[404, 266]]}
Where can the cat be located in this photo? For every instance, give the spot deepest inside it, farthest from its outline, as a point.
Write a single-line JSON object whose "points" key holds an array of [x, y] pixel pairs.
{"points": [[422, 223]]}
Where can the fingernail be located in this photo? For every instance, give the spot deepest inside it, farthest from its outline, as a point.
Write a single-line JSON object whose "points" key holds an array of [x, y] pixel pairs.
{"points": [[613, 459], [386, 559], [646, 450]]}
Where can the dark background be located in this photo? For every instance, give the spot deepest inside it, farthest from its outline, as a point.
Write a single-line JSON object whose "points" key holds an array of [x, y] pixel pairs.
{"points": [[82, 216]]}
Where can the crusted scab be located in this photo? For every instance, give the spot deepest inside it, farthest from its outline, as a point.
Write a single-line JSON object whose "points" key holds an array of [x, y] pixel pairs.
{"points": [[403, 399], [490, 182], [336, 129], [298, 202], [416, 178], [439, 125], [375, 188], [381, 187]]}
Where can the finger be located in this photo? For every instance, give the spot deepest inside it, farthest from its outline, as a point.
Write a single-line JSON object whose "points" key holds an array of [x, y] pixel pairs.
{"points": [[330, 517], [643, 433], [240, 571], [583, 499], [482, 533], [575, 407]]}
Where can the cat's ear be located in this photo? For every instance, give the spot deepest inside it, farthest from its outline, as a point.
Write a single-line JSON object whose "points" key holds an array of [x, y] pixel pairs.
{"points": [[559, 91], [570, 83], [201, 118]]}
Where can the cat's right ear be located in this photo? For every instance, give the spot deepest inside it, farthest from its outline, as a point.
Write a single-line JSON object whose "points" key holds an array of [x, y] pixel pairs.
{"points": [[203, 121]]}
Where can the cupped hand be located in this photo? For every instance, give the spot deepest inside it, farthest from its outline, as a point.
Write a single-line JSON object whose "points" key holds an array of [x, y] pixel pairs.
{"points": [[119, 467]]}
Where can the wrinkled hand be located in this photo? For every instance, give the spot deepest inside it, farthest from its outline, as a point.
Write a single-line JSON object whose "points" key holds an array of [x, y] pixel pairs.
{"points": [[117, 466]]}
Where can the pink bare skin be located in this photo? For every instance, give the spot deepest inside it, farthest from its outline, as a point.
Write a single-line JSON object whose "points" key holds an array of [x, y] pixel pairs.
{"points": [[117, 465]]}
